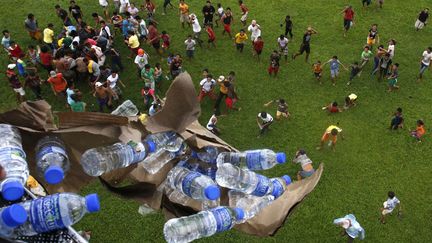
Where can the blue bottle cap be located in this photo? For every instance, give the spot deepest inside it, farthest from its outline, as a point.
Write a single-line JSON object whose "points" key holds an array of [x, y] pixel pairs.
{"points": [[92, 203], [12, 190], [151, 146], [287, 179], [239, 213], [194, 154], [212, 192], [54, 174], [280, 158], [14, 215]]}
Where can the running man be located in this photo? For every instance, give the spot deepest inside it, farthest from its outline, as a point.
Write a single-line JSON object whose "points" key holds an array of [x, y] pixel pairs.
{"points": [[425, 62], [348, 18], [244, 11], [305, 46]]}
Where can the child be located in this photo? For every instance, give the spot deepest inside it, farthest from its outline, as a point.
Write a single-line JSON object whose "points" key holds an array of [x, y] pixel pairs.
{"points": [[283, 46], [306, 164], [384, 65], [332, 108], [350, 101], [117, 20], [397, 120], [211, 125], [239, 39], [158, 75], [389, 205], [21, 66], [317, 69], [282, 108], [258, 46], [355, 70], [334, 68], [419, 132], [211, 36], [264, 124], [15, 51], [149, 96], [32, 54], [244, 11], [392, 79], [365, 56], [77, 105], [147, 74], [227, 19], [330, 135], [274, 63], [166, 39], [231, 97], [6, 40], [373, 35], [190, 47], [220, 13], [113, 85], [33, 82]]}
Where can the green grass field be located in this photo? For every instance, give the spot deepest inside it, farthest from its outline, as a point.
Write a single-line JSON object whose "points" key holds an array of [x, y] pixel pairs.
{"points": [[371, 161]]}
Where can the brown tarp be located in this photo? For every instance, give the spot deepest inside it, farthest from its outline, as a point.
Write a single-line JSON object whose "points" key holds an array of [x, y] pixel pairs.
{"points": [[81, 131]]}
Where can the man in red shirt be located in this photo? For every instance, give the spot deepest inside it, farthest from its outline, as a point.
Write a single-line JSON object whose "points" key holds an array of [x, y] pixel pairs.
{"points": [[154, 37], [348, 18], [244, 11], [211, 36], [258, 46]]}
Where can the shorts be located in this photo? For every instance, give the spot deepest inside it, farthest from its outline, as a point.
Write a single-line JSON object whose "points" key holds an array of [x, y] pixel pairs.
{"points": [[244, 17], [20, 91], [156, 45], [280, 113], [36, 35], [284, 50], [239, 46], [190, 53], [423, 68], [419, 25], [184, 18], [117, 92], [134, 50], [227, 28], [347, 24], [273, 69], [334, 73], [370, 41], [326, 137], [305, 174], [386, 210], [258, 52], [197, 35], [211, 40], [304, 48], [317, 75], [392, 82]]}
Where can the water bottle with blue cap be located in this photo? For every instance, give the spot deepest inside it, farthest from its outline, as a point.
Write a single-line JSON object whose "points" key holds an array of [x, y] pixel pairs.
{"points": [[260, 159], [279, 185], [208, 154], [202, 224], [10, 218]]}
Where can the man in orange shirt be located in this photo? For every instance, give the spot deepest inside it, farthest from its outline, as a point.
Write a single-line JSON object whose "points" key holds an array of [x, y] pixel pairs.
{"points": [[58, 83], [184, 13]]}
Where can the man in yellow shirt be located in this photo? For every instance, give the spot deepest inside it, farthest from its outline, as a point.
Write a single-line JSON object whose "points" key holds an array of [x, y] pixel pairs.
{"points": [[48, 36], [133, 43], [330, 135], [240, 39], [184, 13]]}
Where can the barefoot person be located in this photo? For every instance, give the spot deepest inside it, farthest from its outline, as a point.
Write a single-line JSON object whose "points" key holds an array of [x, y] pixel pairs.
{"points": [[330, 135], [264, 120], [425, 62], [389, 205], [305, 46], [352, 228], [348, 18], [282, 108], [421, 19], [103, 96], [306, 164]]}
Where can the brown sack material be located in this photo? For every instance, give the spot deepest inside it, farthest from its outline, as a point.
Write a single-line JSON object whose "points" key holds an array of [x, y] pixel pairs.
{"points": [[272, 217]]}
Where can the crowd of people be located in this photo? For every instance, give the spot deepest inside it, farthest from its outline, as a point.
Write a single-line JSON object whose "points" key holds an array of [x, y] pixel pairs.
{"points": [[86, 50]]}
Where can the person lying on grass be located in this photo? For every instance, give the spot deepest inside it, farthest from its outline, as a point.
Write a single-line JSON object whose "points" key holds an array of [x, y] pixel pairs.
{"points": [[306, 164], [332, 108], [397, 120]]}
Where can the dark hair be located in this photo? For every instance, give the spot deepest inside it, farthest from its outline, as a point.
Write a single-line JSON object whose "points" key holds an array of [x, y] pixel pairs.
{"points": [[335, 57], [281, 36], [302, 151], [391, 194], [11, 43], [189, 36], [263, 114], [232, 73], [44, 49], [50, 25], [115, 12], [5, 31], [146, 88], [228, 8], [209, 75], [131, 32], [288, 17], [205, 70], [57, 6], [394, 41], [240, 1], [420, 122], [430, 48], [95, 14], [355, 63], [396, 64], [334, 103], [399, 109], [102, 22], [147, 66], [157, 64], [72, 1], [137, 17], [30, 15], [71, 84], [282, 101], [31, 47], [164, 32], [334, 131], [380, 46], [208, 2], [114, 70], [347, 99], [242, 30], [219, 5]]}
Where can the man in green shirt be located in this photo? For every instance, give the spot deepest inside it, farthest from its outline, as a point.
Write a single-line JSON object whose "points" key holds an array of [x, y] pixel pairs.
{"points": [[148, 75]]}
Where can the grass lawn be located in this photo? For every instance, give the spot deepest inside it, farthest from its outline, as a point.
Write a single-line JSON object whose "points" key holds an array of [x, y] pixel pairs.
{"points": [[371, 161]]}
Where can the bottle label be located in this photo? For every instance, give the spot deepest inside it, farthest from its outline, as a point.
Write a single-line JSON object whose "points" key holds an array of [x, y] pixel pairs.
{"points": [[223, 218], [278, 188], [12, 152], [262, 186], [50, 149], [45, 214], [139, 152], [253, 161], [187, 182]]}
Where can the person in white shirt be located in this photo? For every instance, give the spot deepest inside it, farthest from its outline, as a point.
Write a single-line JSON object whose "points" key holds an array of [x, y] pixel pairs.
{"points": [[207, 86], [283, 46], [105, 31], [425, 62], [133, 10], [124, 4], [196, 27], [104, 5], [141, 60], [255, 30], [112, 81], [389, 205], [264, 120], [211, 125], [306, 164], [220, 13], [391, 48], [99, 54]]}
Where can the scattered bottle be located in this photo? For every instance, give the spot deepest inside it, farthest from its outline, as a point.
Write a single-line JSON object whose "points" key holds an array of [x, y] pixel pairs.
{"points": [[261, 159], [202, 224], [208, 155], [10, 218], [250, 204], [52, 161]]}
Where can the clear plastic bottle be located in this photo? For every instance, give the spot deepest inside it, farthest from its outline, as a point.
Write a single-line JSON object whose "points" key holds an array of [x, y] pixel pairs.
{"points": [[279, 185], [10, 218], [55, 212], [202, 224], [52, 161], [261, 159], [244, 180], [12, 159], [97, 161], [193, 184], [208, 155], [250, 204], [127, 108]]}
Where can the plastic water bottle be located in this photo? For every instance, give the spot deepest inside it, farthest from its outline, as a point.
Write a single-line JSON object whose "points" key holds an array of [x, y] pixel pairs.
{"points": [[261, 159], [244, 180], [210, 172], [10, 218], [12, 159], [202, 224], [97, 161], [52, 161], [56, 211], [250, 204], [279, 185], [127, 108], [190, 166], [193, 184], [209, 155]]}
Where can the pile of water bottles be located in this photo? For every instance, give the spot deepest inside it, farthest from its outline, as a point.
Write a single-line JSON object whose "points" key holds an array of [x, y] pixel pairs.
{"points": [[44, 214], [199, 176]]}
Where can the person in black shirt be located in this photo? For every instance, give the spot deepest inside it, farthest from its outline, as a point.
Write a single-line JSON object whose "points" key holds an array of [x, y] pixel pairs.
{"points": [[305, 46], [422, 18], [63, 15], [208, 12], [75, 11], [288, 26]]}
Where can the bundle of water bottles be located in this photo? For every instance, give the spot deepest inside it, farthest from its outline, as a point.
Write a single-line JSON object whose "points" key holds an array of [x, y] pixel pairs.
{"points": [[198, 176], [44, 214]]}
